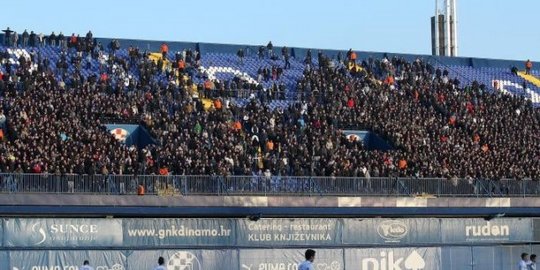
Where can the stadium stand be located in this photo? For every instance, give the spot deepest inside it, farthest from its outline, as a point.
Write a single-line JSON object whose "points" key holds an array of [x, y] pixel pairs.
{"points": [[216, 114], [500, 79]]}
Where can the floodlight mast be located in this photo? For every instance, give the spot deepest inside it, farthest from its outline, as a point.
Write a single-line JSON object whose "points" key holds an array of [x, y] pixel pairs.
{"points": [[454, 28], [444, 28]]}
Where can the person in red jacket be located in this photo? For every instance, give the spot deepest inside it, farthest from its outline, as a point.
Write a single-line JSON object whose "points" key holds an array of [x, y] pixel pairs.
{"points": [[350, 103], [140, 190], [352, 57], [181, 65], [73, 41], [164, 50]]}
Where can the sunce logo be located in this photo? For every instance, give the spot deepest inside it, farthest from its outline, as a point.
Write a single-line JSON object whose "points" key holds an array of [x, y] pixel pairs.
{"points": [[387, 261], [184, 260], [487, 231], [36, 228], [64, 232], [392, 230]]}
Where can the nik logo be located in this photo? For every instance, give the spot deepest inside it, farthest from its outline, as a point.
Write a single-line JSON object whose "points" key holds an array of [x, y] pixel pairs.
{"points": [[387, 261]]}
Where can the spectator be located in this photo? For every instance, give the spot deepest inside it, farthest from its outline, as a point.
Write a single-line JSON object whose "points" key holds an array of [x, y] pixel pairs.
{"points": [[286, 56], [25, 37], [164, 50], [270, 49], [73, 41], [523, 263], [3, 120], [15, 39], [89, 37], [437, 128], [528, 67], [7, 37], [240, 54], [41, 39], [514, 70], [61, 40], [260, 53], [161, 264], [52, 39], [496, 85], [351, 55], [140, 190], [308, 263], [308, 61], [181, 66], [86, 266], [33, 39]]}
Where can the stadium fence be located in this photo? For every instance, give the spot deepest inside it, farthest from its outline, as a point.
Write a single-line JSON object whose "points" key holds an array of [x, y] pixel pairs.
{"points": [[265, 185]]}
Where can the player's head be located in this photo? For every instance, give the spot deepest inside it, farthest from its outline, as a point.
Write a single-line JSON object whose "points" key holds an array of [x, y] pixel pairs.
{"points": [[86, 262], [161, 261], [310, 255], [533, 257], [524, 256]]}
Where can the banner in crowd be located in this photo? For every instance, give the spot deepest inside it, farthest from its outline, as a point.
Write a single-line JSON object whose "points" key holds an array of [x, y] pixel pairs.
{"points": [[499, 230], [378, 231], [184, 259], [267, 259], [130, 134], [72, 232], [393, 258], [289, 232], [179, 232]]}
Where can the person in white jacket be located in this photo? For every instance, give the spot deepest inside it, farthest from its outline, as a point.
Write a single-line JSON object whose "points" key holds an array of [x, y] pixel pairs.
{"points": [[308, 263], [532, 262], [523, 264], [161, 264], [86, 266]]}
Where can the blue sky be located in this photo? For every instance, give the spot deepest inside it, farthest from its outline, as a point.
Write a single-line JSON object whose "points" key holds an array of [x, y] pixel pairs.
{"points": [[506, 29]]}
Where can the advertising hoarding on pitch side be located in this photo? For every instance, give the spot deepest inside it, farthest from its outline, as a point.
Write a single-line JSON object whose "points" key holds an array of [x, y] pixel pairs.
{"points": [[381, 231], [67, 260], [289, 232], [388, 258], [35, 233], [393, 258], [184, 259], [70, 232], [179, 232], [499, 230], [289, 259]]}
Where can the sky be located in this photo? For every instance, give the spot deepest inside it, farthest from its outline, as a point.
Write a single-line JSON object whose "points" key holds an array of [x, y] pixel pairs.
{"points": [[502, 29]]}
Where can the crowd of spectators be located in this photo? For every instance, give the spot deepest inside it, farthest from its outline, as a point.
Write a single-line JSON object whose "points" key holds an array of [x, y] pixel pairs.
{"points": [[437, 127]]}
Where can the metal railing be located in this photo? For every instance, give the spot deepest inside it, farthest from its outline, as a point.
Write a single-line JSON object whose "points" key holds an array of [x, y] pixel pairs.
{"points": [[265, 186], [245, 93]]}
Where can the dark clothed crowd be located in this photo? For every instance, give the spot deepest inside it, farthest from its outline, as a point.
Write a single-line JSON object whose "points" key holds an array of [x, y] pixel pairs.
{"points": [[53, 118]]}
